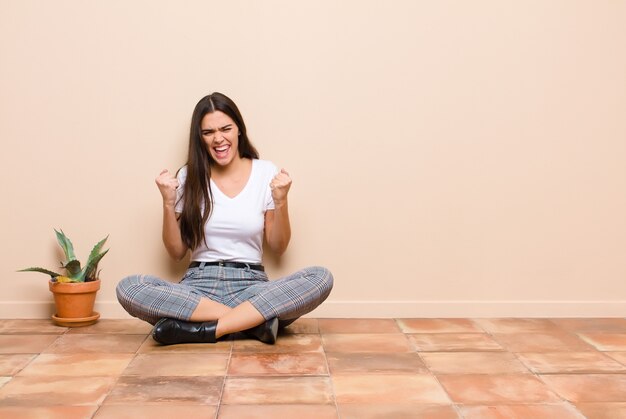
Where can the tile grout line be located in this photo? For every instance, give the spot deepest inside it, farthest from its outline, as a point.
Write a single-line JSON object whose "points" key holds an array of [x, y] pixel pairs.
{"points": [[414, 347], [576, 333], [230, 356], [35, 354], [119, 376], [330, 378], [537, 375], [516, 357]]}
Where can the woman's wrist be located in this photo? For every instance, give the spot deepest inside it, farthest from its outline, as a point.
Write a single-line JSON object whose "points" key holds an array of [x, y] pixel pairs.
{"points": [[280, 204], [169, 205]]}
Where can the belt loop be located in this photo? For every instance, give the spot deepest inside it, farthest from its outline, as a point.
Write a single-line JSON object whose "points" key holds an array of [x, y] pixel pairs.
{"points": [[247, 267], [202, 264]]}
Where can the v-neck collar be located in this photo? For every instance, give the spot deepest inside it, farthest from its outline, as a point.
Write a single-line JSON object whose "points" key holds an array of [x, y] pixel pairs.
{"points": [[215, 187]]}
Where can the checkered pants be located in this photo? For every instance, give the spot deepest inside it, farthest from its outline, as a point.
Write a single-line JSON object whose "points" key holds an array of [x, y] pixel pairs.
{"points": [[150, 298]]}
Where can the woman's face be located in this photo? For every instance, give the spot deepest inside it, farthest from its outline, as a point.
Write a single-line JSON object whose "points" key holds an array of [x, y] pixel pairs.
{"points": [[221, 137]]}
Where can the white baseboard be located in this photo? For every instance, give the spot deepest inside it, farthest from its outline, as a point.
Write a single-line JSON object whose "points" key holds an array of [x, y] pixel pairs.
{"points": [[469, 309], [380, 309]]}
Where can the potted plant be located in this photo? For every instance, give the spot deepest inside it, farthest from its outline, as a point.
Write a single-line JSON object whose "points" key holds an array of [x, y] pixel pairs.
{"points": [[75, 292]]}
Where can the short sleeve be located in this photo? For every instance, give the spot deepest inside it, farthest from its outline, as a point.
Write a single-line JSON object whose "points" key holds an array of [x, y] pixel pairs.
{"points": [[181, 176], [271, 172]]}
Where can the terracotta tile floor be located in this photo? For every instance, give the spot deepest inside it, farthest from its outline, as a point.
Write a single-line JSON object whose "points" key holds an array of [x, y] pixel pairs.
{"points": [[326, 368]]}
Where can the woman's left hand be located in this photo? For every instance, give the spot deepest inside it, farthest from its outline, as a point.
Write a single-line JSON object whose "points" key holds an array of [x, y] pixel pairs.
{"points": [[280, 187]]}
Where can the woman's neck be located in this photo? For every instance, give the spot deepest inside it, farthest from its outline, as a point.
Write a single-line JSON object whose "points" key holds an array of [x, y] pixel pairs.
{"points": [[235, 168]]}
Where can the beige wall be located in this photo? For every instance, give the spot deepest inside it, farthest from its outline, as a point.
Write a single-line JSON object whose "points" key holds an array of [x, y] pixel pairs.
{"points": [[450, 158]]}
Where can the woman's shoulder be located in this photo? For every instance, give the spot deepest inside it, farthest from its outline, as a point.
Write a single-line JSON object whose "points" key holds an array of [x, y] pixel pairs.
{"points": [[182, 173]]}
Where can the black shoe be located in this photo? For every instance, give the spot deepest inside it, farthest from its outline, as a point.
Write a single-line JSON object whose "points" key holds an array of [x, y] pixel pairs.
{"points": [[265, 332], [171, 331]]}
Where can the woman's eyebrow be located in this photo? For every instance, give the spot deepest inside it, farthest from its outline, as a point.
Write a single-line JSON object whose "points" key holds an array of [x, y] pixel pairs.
{"points": [[211, 129]]}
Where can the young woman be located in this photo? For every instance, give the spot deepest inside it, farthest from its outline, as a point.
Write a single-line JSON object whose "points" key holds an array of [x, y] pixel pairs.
{"points": [[219, 206]]}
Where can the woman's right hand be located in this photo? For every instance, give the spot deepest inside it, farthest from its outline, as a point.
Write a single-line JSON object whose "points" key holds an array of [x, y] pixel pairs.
{"points": [[167, 184]]}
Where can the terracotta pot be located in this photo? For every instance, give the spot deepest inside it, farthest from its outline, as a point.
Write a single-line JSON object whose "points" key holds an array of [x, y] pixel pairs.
{"points": [[75, 301]]}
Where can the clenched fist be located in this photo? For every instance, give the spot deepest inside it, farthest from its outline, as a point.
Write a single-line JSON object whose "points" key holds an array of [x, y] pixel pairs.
{"points": [[167, 184], [280, 187]]}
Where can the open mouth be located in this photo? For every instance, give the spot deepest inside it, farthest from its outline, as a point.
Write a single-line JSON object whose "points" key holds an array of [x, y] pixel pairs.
{"points": [[221, 151]]}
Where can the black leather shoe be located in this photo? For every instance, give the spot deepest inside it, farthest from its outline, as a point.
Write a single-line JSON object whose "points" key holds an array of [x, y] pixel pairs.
{"points": [[265, 332], [171, 331]]}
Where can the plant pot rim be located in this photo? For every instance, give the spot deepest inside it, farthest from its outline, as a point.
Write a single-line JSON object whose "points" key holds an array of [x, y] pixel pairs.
{"points": [[74, 287], [84, 282]]}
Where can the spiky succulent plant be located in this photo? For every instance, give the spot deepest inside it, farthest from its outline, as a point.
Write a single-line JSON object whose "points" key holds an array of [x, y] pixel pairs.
{"points": [[74, 271]]}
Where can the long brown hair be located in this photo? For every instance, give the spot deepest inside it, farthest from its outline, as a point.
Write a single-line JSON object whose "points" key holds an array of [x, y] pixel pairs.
{"points": [[197, 191]]}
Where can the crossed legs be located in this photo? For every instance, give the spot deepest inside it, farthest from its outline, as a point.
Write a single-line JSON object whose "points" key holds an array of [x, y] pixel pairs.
{"points": [[152, 299], [229, 320]]}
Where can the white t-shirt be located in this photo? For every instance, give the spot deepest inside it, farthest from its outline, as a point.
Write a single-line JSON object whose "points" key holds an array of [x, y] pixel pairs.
{"points": [[234, 231]]}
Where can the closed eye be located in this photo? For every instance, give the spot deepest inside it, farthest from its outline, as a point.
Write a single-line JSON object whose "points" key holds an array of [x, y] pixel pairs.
{"points": [[225, 128]]}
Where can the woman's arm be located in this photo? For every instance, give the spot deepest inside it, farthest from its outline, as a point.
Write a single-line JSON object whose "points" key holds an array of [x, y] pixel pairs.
{"points": [[172, 238], [277, 227]]}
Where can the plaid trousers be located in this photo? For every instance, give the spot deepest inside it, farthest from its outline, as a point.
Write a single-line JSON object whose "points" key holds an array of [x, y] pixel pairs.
{"points": [[150, 298]]}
